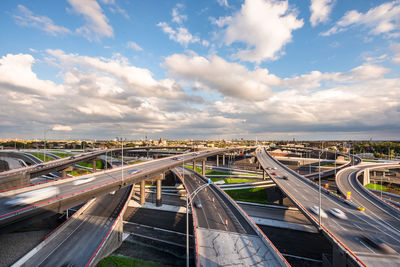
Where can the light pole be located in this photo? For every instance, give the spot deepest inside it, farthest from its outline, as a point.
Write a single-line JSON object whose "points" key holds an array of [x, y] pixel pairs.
{"points": [[191, 196], [122, 149], [44, 144], [319, 181]]}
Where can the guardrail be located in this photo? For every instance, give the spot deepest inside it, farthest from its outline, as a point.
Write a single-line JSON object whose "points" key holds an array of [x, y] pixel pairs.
{"points": [[309, 215], [96, 257], [253, 225]]}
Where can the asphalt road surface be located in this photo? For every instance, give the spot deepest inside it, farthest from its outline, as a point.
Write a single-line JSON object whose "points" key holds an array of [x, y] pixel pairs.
{"points": [[349, 231]]}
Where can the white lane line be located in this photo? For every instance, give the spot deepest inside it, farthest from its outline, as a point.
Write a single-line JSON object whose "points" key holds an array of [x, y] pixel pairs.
{"points": [[338, 225], [365, 245], [62, 242]]}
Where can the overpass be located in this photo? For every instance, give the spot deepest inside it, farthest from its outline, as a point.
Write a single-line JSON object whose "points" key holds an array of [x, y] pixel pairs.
{"points": [[224, 234], [70, 194], [346, 235]]}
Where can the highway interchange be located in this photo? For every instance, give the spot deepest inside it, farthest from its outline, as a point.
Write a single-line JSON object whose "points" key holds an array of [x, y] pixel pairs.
{"points": [[378, 220], [348, 231]]}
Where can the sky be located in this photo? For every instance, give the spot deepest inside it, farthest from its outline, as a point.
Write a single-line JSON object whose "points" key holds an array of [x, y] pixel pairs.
{"points": [[210, 69]]}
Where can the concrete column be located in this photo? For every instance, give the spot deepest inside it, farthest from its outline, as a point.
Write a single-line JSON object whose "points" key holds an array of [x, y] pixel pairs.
{"points": [[217, 160], [142, 193], [158, 190], [264, 175], [366, 177], [194, 165], [223, 159], [94, 164], [64, 173], [203, 167]]}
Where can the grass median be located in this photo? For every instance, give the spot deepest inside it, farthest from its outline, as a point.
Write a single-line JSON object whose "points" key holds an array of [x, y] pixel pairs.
{"points": [[257, 195], [123, 261]]}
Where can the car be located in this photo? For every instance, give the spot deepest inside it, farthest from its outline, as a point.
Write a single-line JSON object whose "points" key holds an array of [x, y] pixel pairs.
{"points": [[315, 209], [134, 171], [40, 166], [377, 244], [33, 196], [180, 158], [72, 157], [360, 208], [274, 168], [338, 213], [274, 173], [83, 180], [284, 177], [175, 158], [197, 205]]}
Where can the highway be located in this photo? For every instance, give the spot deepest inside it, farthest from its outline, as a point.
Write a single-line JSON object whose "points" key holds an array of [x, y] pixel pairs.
{"points": [[222, 231], [346, 233], [71, 194], [76, 242]]}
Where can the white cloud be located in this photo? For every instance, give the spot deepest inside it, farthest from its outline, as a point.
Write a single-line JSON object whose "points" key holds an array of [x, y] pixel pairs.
{"points": [[96, 25], [383, 19], [223, 3], [265, 26], [396, 50], [16, 72], [26, 18], [176, 16], [134, 46], [64, 128], [121, 76], [229, 79], [320, 11], [180, 35]]}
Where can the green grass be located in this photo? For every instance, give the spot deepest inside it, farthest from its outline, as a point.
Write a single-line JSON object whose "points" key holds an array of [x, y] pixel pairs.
{"points": [[258, 195], [233, 181], [211, 172], [122, 261], [135, 162], [40, 156], [376, 186], [99, 164]]}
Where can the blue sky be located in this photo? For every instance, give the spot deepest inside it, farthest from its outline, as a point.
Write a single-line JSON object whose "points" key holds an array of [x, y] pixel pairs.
{"points": [[318, 69]]}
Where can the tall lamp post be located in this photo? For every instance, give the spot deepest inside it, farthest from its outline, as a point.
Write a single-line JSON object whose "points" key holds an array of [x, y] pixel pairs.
{"points": [[191, 196], [319, 181], [122, 149], [44, 141]]}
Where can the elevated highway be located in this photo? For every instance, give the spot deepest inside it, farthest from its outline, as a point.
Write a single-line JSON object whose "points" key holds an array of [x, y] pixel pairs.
{"points": [[224, 234], [71, 194], [347, 235]]}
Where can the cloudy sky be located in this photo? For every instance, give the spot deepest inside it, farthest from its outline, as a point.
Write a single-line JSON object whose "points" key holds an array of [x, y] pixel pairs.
{"points": [[312, 69]]}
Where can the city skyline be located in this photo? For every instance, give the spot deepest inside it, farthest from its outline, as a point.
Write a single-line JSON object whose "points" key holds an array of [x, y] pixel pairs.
{"points": [[217, 69]]}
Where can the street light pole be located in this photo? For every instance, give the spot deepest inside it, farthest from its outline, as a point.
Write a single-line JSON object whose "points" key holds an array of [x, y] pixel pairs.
{"points": [[44, 144], [319, 179], [122, 151]]}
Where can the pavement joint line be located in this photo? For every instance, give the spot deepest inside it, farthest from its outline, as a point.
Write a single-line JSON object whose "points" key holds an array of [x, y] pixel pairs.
{"points": [[160, 240], [300, 257], [156, 228]]}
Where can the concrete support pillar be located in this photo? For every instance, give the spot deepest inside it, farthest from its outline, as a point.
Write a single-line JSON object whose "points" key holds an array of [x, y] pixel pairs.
{"points": [[217, 160], [94, 164], [264, 175], [223, 159], [158, 190], [194, 165], [366, 178], [64, 173], [142, 193], [281, 196], [203, 167]]}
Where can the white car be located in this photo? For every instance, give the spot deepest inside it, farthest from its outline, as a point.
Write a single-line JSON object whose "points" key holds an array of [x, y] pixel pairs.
{"points": [[83, 180], [274, 168], [33, 196], [338, 213], [134, 171], [315, 209]]}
